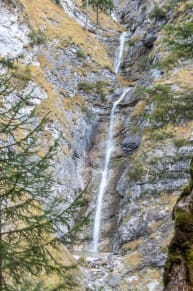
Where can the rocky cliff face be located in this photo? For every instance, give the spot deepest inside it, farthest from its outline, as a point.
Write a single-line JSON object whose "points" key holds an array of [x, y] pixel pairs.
{"points": [[152, 175], [70, 72]]}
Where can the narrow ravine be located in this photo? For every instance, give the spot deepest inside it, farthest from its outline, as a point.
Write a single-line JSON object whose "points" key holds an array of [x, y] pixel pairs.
{"points": [[104, 178], [102, 265], [109, 150]]}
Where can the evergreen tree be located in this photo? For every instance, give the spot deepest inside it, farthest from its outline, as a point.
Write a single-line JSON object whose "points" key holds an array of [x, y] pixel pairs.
{"points": [[29, 215], [104, 6]]}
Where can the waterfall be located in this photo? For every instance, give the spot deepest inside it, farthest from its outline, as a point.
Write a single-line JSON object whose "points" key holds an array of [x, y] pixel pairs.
{"points": [[119, 52], [104, 177]]}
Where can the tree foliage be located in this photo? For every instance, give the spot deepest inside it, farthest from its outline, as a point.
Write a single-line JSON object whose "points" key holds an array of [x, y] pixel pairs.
{"points": [[104, 6], [30, 214]]}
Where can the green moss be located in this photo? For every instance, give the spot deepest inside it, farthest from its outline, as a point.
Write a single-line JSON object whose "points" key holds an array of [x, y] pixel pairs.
{"points": [[186, 191], [191, 170], [183, 219], [189, 262]]}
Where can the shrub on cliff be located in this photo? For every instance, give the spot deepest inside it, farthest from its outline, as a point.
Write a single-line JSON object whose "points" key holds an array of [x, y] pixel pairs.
{"points": [[180, 38], [157, 12], [169, 106]]}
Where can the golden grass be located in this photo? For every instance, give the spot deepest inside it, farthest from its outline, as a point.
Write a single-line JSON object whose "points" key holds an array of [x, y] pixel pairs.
{"points": [[50, 103], [154, 274], [132, 260], [184, 131], [63, 256], [139, 109], [56, 24], [43, 62], [132, 245], [124, 83], [184, 77], [53, 104]]}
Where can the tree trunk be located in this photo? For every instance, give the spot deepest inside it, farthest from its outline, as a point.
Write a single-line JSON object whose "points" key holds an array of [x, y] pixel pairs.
{"points": [[177, 278], [86, 24], [97, 14]]}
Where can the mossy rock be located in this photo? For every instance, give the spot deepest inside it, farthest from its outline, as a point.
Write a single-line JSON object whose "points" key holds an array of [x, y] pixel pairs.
{"points": [[183, 217], [191, 169]]}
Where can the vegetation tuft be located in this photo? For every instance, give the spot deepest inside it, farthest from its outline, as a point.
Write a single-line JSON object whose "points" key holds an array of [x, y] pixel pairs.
{"points": [[37, 37], [57, 2], [157, 12], [8, 62], [86, 87], [98, 88], [179, 38], [170, 106], [80, 54]]}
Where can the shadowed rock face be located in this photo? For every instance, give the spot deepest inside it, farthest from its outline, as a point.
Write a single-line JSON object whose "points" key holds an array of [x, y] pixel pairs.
{"points": [[149, 41]]}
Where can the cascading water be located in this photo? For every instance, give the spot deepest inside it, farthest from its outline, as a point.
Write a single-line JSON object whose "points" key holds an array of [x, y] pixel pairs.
{"points": [[119, 52], [104, 178]]}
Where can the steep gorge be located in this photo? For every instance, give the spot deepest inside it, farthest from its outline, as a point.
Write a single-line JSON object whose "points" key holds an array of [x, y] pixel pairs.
{"points": [[70, 72]]}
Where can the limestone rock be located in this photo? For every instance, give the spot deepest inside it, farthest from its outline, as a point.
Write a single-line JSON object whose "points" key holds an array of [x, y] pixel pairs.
{"points": [[131, 143]]}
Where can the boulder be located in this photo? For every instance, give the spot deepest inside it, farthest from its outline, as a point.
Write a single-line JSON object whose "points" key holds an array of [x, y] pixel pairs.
{"points": [[131, 143]]}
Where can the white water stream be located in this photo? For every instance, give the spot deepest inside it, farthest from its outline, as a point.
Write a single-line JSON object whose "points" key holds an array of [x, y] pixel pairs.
{"points": [[119, 52], [104, 178]]}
